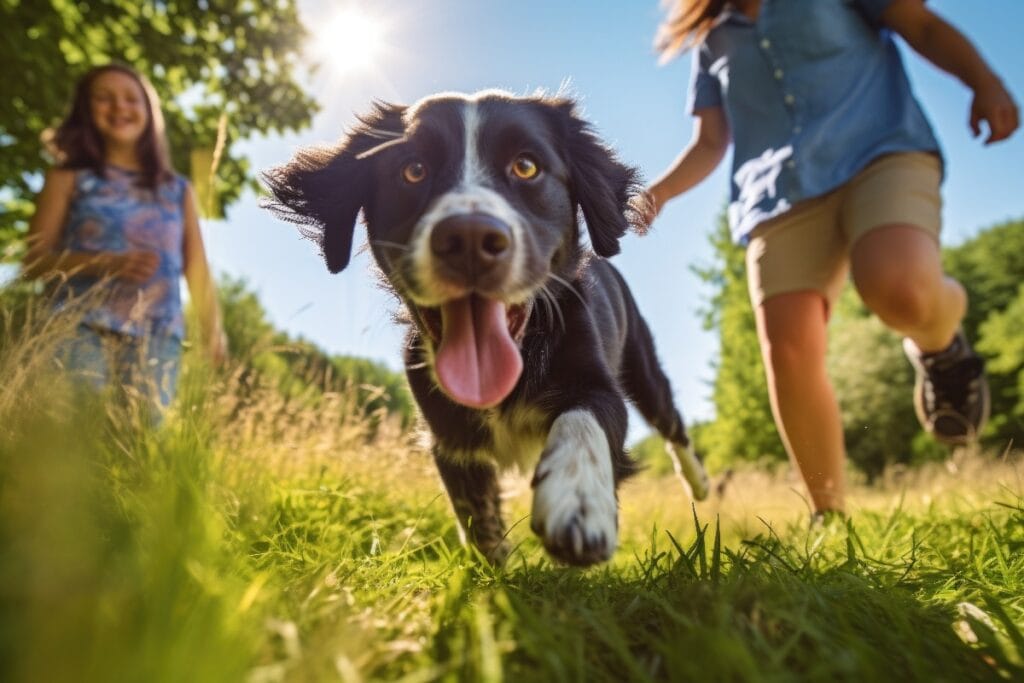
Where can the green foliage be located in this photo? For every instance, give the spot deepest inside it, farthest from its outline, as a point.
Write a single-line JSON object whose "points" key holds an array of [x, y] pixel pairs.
{"points": [[158, 556], [873, 382], [129, 552], [299, 369], [990, 266], [205, 59], [1001, 340], [743, 428]]}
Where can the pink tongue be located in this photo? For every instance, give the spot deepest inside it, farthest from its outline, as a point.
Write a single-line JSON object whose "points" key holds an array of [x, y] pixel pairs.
{"points": [[477, 362]]}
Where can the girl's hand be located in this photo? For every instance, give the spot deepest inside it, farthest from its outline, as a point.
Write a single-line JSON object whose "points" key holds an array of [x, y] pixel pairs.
{"points": [[218, 349], [134, 266], [993, 104]]}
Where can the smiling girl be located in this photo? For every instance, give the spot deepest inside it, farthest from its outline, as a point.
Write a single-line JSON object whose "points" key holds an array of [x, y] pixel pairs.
{"points": [[117, 227]]}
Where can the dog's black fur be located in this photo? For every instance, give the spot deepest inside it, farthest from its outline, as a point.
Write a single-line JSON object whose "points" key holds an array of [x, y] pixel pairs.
{"points": [[475, 199]]}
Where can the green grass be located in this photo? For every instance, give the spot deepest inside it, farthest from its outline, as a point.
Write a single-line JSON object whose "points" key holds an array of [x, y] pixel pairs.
{"points": [[265, 543]]}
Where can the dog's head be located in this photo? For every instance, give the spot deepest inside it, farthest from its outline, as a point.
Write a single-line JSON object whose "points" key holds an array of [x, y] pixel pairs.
{"points": [[471, 205]]}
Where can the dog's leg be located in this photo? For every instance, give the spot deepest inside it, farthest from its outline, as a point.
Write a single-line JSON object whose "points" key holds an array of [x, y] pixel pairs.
{"points": [[649, 389], [475, 495], [575, 511]]}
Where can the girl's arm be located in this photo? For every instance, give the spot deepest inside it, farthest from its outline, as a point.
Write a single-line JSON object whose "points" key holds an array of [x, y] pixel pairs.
{"points": [[44, 235], [944, 46], [710, 140], [201, 287]]}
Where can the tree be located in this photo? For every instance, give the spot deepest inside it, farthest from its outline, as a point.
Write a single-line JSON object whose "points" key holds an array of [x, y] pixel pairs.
{"points": [[873, 382], [216, 64], [990, 266], [1001, 340], [743, 428], [297, 368]]}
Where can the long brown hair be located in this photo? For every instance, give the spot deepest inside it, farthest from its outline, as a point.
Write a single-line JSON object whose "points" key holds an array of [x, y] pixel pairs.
{"points": [[76, 143], [685, 25]]}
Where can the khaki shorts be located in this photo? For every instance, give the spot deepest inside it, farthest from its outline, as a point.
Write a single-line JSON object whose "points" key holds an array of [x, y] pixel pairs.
{"points": [[808, 247]]}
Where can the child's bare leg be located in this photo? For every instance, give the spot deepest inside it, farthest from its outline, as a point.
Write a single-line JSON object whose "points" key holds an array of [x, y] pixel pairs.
{"points": [[898, 272], [792, 331]]}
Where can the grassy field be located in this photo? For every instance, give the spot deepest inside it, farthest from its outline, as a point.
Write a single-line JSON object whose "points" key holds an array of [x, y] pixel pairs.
{"points": [[261, 540]]}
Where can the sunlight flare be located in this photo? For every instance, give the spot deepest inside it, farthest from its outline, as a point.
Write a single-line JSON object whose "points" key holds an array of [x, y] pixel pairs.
{"points": [[351, 40]]}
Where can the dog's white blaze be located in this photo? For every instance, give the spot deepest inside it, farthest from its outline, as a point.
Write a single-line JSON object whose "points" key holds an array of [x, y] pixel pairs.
{"points": [[575, 474], [471, 195], [472, 167]]}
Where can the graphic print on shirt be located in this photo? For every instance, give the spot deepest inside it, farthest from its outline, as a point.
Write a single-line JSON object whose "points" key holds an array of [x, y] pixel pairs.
{"points": [[757, 180]]}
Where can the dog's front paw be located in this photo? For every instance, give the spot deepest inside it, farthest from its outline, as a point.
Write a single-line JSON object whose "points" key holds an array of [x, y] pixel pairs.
{"points": [[575, 512]]}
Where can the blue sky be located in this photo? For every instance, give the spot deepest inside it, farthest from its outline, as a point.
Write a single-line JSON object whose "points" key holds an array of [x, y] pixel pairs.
{"points": [[603, 50]]}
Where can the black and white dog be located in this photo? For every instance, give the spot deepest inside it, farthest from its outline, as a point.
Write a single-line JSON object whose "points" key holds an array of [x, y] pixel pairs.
{"points": [[523, 345]]}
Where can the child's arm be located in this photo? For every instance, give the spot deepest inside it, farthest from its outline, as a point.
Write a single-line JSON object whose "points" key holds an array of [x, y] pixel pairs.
{"points": [[44, 235], [945, 47], [201, 287], [710, 140]]}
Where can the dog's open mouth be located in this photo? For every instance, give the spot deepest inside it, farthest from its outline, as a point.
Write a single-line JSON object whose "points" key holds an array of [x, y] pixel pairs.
{"points": [[477, 340]]}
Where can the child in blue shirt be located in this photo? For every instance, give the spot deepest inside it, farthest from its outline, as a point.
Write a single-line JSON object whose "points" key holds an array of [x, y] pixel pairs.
{"points": [[118, 228], [835, 170]]}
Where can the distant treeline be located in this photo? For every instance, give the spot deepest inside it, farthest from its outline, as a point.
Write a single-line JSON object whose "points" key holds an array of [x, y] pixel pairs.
{"points": [[297, 367]]}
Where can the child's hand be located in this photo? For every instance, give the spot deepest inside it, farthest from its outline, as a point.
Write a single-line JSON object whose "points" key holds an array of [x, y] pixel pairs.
{"points": [[646, 208], [135, 266], [993, 104], [218, 349]]}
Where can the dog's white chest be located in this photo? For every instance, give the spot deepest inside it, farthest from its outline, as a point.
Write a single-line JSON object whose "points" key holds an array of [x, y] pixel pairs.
{"points": [[518, 436]]}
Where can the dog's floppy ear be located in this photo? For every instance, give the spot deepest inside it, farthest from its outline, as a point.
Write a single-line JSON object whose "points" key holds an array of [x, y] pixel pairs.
{"points": [[322, 189], [600, 183]]}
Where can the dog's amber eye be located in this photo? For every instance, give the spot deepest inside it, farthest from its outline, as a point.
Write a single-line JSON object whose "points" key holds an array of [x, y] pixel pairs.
{"points": [[525, 168], [414, 172]]}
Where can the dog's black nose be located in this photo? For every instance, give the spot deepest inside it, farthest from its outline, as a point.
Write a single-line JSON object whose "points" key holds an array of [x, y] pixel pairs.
{"points": [[472, 245]]}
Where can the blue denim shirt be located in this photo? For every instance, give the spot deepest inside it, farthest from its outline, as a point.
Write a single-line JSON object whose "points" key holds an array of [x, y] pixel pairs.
{"points": [[814, 90]]}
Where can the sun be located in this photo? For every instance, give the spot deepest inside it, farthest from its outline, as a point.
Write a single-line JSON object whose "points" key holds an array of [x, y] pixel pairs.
{"points": [[351, 40]]}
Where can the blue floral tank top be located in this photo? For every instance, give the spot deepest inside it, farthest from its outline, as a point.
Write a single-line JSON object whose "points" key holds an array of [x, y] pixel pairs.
{"points": [[113, 213]]}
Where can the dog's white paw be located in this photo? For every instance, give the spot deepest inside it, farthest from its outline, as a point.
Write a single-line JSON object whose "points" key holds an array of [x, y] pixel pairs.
{"points": [[689, 469], [575, 512]]}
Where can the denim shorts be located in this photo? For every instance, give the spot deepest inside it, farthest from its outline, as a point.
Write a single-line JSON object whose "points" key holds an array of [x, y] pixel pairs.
{"points": [[141, 367]]}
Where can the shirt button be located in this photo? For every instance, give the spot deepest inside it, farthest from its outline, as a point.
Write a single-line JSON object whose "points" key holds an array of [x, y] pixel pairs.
{"points": [[778, 74], [765, 43], [789, 99]]}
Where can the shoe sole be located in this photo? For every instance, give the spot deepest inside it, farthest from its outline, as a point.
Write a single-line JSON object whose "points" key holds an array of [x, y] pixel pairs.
{"points": [[929, 425]]}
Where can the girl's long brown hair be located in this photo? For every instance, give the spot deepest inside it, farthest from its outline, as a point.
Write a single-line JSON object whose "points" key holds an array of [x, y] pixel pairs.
{"points": [[77, 144], [685, 25]]}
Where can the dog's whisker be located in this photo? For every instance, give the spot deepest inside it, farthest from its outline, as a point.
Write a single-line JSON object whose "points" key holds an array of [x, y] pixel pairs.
{"points": [[384, 145], [553, 307], [390, 245], [544, 297], [568, 285]]}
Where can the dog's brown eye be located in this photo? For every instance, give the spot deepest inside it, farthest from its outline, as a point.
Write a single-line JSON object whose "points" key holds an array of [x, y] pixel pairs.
{"points": [[525, 168], [414, 172]]}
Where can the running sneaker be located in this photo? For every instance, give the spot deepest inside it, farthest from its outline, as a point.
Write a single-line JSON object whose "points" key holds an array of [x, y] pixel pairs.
{"points": [[951, 394]]}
